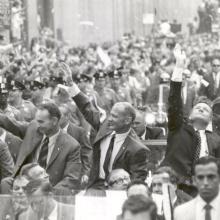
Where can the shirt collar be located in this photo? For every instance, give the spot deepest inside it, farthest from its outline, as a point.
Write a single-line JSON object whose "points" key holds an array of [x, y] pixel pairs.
{"points": [[66, 127], [53, 137], [209, 128], [214, 203], [3, 136], [53, 214], [122, 135]]}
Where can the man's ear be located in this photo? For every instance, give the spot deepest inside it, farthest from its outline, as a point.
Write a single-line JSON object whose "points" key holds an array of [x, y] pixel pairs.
{"points": [[128, 120]]}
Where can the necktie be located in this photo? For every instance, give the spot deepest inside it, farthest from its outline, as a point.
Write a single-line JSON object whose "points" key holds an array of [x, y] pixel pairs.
{"points": [[42, 160], [208, 208], [198, 147], [108, 156]]}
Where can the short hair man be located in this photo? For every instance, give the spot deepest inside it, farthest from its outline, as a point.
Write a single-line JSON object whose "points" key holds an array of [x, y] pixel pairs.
{"points": [[43, 141], [116, 145], [206, 204], [166, 175], [42, 204], [118, 179], [139, 207]]}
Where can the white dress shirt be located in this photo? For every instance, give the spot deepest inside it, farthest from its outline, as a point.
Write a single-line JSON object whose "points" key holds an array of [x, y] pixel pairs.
{"points": [[51, 144], [200, 211], [54, 214], [66, 128], [3, 136], [204, 145], [119, 140]]}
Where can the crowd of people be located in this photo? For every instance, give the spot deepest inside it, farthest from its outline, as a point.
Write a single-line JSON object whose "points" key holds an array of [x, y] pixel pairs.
{"points": [[74, 119]]}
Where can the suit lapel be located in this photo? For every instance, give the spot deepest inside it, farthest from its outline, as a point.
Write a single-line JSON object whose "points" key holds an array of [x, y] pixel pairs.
{"points": [[56, 149]]}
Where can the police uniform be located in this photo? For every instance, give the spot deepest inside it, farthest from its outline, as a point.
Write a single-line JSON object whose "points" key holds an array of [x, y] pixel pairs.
{"points": [[122, 94], [107, 96]]}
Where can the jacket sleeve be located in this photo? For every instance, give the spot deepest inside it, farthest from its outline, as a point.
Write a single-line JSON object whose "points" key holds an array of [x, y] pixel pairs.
{"points": [[15, 127], [175, 108], [139, 164], [89, 111], [86, 152], [6, 161]]}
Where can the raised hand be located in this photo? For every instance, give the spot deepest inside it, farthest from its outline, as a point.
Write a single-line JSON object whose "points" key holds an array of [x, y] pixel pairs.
{"points": [[67, 73], [180, 56]]}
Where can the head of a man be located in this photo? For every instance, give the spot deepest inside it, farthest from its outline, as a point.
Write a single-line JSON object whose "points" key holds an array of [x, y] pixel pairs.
{"points": [[207, 177], [65, 115], [139, 207], [121, 117], [139, 124], [33, 171], [14, 96], [39, 193], [47, 117], [215, 65], [118, 179], [202, 111], [163, 175], [138, 187]]}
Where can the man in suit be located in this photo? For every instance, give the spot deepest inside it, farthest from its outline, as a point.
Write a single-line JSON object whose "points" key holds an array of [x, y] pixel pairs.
{"points": [[42, 204], [206, 206], [80, 135], [116, 144], [44, 142], [143, 131], [211, 82], [187, 141], [12, 141]]}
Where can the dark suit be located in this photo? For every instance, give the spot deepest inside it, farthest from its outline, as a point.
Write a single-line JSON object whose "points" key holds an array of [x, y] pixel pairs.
{"points": [[64, 165], [210, 91], [182, 139], [152, 133], [14, 144], [190, 98], [132, 156], [64, 212], [85, 148], [6, 161]]}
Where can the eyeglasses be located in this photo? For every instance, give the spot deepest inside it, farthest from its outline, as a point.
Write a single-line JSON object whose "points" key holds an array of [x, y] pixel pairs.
{"points": [[214, 65], [120, 181]]}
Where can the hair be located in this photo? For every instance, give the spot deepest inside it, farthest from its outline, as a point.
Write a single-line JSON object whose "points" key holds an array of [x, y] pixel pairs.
{"points": [[52, 109], [137, 182], [66, 107], [34, 185], [140, 203], [113, 172], [26, 169], [203, 99], [129, 110], [174, 179], [207, 160]]}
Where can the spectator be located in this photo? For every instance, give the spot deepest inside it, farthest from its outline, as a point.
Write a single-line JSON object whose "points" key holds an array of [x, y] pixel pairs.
{"points": [[137, 187], [42, 204], [206, 204], [139, 207], [118, 179]]}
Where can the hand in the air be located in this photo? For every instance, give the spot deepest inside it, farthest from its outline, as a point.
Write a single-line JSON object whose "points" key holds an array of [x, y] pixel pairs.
{"points": [[180, 56]]}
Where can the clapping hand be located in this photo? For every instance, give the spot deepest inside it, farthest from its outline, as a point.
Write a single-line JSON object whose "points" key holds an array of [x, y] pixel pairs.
{"points": [[180, 56]]}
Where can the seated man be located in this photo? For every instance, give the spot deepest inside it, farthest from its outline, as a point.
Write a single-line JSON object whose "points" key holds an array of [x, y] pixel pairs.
{"points": [[138, 187], [166, 175], [18, 202], [145, 132], [139, 207], [118, 179], [42, 204]]}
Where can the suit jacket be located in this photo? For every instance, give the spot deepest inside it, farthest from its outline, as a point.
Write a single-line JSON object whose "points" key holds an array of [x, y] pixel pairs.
{"points": [[14, 144], [64, 165], [132, 156], [154, 133], [6, 161], [64, 212], [190, 98], [182, 139], [210, 90], [85, 147]]}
